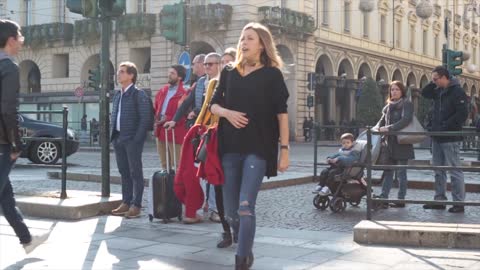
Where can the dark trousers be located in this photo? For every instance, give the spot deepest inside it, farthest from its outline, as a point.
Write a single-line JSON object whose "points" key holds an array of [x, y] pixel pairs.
{"points": [[7, 200], [221, 208], [327, 177], [129, 163]]}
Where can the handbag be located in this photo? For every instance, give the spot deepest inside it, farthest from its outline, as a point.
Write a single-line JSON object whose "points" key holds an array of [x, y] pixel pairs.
{"points": [[384, 154], [413, 126]]}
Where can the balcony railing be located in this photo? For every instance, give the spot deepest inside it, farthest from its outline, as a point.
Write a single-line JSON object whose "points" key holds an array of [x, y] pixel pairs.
{"points": [[211, 17], [87, 31], [135, 26], [287, 21], [45, 34]]}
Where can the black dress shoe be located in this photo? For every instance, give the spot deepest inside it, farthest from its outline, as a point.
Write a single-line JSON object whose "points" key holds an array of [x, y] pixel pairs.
{"points": [[397, 205], [456, 209], [434, 206]]}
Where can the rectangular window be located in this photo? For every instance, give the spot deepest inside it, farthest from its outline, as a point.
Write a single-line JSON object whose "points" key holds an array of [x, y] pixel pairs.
{"points": [[346, 17], [383, 27], [398, 34], [412, 37], [142, 6], [325, 12], [366, 25], [425, 42], [436, 45], [60, 66]]}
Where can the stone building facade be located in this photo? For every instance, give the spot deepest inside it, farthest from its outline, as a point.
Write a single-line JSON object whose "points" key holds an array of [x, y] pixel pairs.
{"points": [[333, 38]]}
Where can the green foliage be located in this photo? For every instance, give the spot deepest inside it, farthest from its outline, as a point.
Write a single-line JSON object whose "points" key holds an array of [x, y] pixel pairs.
{"points": [[370, 104]]}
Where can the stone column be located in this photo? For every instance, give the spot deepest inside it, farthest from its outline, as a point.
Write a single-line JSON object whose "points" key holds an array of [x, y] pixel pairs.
{"points": [[331, 86], [352, 86]]}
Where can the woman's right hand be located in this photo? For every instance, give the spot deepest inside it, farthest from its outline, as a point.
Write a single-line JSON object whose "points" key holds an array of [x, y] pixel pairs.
{"points": [[237, 119]]}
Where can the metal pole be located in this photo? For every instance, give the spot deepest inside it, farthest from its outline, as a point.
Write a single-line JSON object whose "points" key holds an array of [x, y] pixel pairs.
{"points": [[315, 150], [188, 19], [104, 103], [63, 194], [369, 173]]}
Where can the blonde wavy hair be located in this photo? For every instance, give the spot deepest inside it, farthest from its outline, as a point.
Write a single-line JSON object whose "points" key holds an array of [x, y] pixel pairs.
{"points": [[269, 56]]}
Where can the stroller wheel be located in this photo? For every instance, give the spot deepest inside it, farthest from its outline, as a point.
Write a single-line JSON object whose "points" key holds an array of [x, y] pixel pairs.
{"points": [[321, 202], [355, 203], [338, 204]]}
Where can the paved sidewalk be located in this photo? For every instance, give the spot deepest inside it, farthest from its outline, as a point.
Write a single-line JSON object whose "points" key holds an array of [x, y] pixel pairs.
{"points": [[109, 242]]}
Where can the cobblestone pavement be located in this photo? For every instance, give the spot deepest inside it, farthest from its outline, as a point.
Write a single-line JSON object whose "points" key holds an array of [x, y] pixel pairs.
{"points": [[292, 208], [301, 159]]}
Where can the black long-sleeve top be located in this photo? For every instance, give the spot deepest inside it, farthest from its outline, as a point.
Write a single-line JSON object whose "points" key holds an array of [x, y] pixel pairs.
{"points": [[262, 95]]}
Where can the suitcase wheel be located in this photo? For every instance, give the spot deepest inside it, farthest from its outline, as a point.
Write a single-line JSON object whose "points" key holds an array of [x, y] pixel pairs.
{"points": [[180, 218], [150, 218]]}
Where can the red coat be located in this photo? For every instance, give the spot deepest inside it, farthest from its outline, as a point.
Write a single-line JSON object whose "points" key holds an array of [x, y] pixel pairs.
{"points": [[172, 107], [211, 169], [187, 185]]}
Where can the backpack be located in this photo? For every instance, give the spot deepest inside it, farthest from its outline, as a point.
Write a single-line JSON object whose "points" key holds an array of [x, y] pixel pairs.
{"points": [[151, 114]]}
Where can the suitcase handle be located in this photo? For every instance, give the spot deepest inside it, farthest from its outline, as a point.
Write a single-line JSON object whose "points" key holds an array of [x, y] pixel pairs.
{"points": [[174, 149]]}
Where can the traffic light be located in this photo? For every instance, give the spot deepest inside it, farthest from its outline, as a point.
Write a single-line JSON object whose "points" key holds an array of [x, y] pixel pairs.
{"points": [[112, 8], [312, 81], [88, 8], [94, 78], [309, 101], [455, 59], [172, 23]]}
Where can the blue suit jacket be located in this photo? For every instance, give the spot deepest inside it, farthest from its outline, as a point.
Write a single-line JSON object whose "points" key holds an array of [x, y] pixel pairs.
{"points": [[133, 124]]}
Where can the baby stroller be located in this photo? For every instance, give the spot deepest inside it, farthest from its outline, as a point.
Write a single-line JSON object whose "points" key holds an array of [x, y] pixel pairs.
{"points": [[349, 185]]}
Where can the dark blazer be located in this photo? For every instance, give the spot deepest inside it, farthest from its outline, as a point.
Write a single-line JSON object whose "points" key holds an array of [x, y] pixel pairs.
{"points": [[133, 124], [396, 117]]}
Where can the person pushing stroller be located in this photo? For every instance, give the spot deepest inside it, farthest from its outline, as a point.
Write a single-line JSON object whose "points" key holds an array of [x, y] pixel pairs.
{"points": [[345, 157]]}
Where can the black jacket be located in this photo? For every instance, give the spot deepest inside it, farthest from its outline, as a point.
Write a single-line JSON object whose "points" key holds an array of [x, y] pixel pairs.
{"points": [[396, 117], [9, 89], [449, 111]]}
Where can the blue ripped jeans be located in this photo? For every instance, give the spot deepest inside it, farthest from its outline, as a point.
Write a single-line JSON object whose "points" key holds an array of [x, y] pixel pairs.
{"points": [[243, 177]]}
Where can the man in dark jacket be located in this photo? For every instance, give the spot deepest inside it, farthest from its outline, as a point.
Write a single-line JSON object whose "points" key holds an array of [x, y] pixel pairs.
{"points": [[130, 123], [11, 40], [449, 114]]}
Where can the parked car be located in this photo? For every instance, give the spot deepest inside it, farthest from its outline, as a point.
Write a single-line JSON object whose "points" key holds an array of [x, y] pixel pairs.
{"points": [[40, 151]]}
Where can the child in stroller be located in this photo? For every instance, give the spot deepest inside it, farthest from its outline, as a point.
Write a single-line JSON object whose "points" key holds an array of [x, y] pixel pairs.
{"points": [[343, 179]]}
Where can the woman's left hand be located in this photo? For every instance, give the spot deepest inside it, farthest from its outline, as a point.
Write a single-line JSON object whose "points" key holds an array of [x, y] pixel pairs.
{"points": [[283, 162], [383, 129]]}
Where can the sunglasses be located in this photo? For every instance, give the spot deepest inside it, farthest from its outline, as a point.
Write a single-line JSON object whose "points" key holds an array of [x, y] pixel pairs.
{"points": [[210, 64]]}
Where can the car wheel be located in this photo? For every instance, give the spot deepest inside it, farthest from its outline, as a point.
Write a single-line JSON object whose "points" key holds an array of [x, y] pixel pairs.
{"points": [[45, 152]]}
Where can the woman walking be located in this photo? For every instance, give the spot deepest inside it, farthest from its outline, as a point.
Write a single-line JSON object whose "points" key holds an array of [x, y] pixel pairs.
{"points": [[397, 114], [251, 101]]}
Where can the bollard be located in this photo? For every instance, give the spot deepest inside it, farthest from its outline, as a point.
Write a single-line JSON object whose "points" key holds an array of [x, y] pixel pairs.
{"points": [[63, 194]]}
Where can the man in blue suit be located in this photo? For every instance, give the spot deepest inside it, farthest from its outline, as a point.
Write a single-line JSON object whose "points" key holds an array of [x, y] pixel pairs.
{"points": [[130, 123]]}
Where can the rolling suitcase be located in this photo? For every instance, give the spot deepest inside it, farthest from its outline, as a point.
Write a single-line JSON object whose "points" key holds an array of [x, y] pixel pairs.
{"points": [[163, 204]]}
